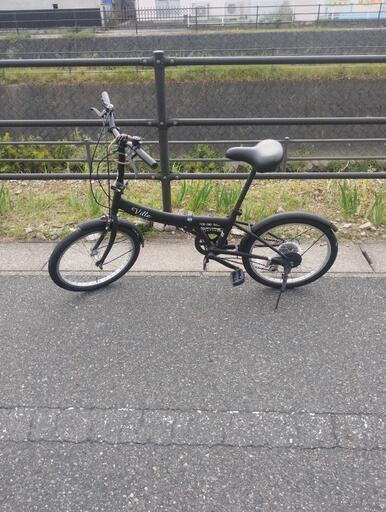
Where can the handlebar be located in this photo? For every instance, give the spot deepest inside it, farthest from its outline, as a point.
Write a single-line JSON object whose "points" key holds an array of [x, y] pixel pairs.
{"points": [[108, 114], [146, 158], [106, 101]]}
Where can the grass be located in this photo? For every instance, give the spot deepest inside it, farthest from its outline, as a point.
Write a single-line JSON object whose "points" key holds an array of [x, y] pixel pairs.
{"points": [[235, 73], [199, 195], [51, 209], [377, 211], [5, 199], [227, 196], [349, 198]]}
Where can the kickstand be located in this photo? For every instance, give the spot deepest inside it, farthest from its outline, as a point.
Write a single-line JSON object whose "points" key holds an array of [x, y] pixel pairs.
{"points": [[283, 285]]}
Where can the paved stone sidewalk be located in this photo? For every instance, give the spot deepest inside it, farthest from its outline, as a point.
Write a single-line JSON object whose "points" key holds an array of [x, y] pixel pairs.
{"points": [[171, 255]]}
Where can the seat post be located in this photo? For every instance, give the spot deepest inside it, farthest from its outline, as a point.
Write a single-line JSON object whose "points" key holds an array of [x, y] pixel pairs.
{"points": [[236, 208], [244, 191]]}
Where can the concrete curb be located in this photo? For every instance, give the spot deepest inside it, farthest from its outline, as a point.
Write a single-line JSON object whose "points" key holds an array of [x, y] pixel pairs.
{"points": [[179, 256]]}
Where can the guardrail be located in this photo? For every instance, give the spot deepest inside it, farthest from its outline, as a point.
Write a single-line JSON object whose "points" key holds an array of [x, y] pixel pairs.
{"points": [[163, 123]]}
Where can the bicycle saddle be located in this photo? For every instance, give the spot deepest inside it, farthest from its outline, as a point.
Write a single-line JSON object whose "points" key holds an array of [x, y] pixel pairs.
{"points": [[263, 157]]}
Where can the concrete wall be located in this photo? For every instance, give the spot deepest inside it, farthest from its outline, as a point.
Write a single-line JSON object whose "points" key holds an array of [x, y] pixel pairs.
{"points": [[226, 99], [267, 42]]}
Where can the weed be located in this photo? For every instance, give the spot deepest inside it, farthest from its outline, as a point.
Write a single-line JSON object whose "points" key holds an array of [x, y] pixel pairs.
{"points": [[94, 202], [248, 212], [226, 197], [349, 198], [74, 201], [181, 193], [377, 212], [200, 193], [36, 203], [5, 199]]}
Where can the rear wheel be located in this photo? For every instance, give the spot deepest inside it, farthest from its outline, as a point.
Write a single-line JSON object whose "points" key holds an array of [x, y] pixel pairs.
{"points": [[304, 236], [73, 263]]}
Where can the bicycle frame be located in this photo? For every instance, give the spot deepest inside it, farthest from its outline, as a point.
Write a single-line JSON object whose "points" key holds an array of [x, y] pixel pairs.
{"points": [[211, 233], [193, 224]]}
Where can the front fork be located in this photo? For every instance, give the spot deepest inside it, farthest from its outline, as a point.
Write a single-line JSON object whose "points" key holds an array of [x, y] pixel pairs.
{"points": [[112, 220], [112, 229]]}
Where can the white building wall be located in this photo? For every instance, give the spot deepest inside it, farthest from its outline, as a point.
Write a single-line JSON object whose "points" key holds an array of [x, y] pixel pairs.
{"points": [[26, 5], [245, 8], [215, 7]]}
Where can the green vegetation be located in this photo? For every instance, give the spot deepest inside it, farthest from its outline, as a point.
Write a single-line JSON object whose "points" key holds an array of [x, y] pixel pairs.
{"points": [[38, 152], [199, 196], [51, 209], [236, 73], [349, 199], [5, 199], [227, 196], [377, 211]]}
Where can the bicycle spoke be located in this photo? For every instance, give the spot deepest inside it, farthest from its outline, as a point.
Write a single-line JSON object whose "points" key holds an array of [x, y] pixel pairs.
{"points": [[321, 236], [77, 266], [115, 243], [117, 257], [305, 237]]}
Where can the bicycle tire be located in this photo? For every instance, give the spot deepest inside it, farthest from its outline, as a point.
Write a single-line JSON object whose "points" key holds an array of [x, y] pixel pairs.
{"points": [[274, 230], [76, 270]]}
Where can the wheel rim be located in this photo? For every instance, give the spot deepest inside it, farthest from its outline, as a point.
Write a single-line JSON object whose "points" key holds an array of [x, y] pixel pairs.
{"points": [[313, 245], [77, 267]]}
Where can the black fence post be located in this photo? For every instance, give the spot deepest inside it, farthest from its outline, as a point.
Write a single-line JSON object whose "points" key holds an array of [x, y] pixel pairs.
{"points": [[196, 16], [285, 155], [16, 25], [159, 73], [257, 16], [318, 17], [88, 154]]}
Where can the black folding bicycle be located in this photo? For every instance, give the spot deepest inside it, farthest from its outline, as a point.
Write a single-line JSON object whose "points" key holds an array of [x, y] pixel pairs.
{"points": [[285, 250]]}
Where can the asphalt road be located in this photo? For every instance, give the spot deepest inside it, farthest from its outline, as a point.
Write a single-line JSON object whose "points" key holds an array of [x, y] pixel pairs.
{"points": [[185, 394]]}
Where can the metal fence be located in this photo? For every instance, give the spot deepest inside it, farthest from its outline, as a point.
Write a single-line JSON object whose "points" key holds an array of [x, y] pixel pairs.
{"points": [[196, 17], [163, 123], [257, 16]]}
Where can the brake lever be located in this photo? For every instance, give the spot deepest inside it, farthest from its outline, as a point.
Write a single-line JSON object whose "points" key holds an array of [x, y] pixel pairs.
{"points": [[130, 160], [97, 112]]}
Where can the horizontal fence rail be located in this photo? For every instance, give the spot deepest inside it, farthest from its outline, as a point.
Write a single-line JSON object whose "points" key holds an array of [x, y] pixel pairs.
{"points": [[203, 52], [159, 62], [159, 59]]}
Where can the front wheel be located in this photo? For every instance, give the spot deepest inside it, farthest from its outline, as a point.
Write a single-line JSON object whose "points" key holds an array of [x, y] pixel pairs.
{"points": [[307, 235], [73, 263]]}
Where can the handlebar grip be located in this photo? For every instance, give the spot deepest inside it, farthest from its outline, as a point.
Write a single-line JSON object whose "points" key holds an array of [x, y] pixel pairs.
{"points": [[106, 100], [146, 158]]}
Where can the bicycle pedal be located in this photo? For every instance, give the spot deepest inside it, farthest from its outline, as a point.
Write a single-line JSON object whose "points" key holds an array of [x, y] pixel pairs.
{"points": [[237, 277]]}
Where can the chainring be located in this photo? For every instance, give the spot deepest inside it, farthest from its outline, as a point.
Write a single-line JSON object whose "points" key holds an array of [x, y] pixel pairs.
{"points": [[201, 244]]}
